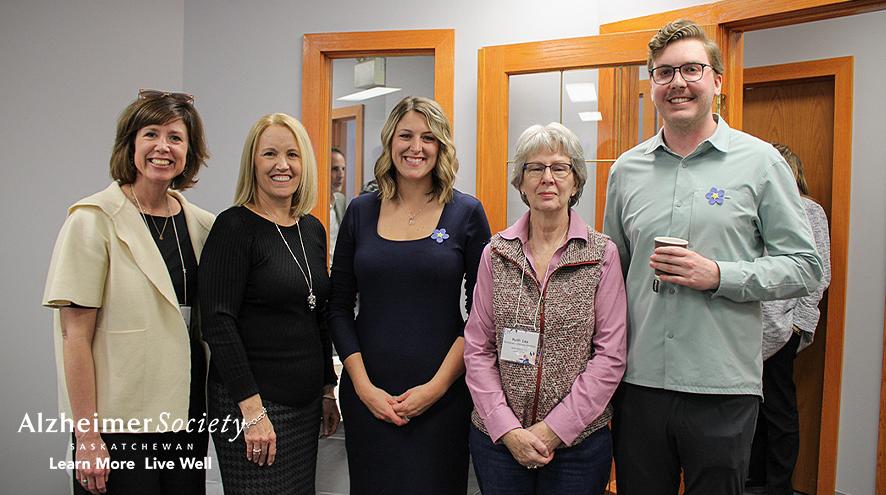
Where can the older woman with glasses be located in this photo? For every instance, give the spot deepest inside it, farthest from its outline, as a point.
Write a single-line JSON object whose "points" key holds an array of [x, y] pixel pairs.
{"points": [[545, 341], [123, 277]]}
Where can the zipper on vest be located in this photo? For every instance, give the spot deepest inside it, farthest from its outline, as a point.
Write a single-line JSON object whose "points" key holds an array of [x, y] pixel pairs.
{"points": [[541, 331], [541, 323]]}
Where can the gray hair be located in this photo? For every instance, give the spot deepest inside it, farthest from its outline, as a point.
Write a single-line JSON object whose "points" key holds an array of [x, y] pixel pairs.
{"points": [[556, 138]]}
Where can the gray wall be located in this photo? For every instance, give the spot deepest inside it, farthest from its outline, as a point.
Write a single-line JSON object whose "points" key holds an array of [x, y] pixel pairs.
{"points": [[860, 36], [69, 68]]}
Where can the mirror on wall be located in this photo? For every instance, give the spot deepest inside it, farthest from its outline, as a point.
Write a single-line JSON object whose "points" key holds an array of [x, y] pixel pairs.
{"points": [[573, 98], [364, 91]]}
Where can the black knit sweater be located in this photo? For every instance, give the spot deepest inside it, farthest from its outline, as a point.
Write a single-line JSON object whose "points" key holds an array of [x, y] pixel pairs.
{"points": [[255, 316]]}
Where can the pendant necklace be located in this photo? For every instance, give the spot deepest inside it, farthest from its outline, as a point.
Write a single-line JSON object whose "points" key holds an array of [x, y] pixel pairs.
{"points": [[177, 245], [412, 214], [312, 299], [145, 217]]}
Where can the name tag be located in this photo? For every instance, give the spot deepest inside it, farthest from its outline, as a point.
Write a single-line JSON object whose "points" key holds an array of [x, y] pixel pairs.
{"points": [[186, 315], [519, 346]]}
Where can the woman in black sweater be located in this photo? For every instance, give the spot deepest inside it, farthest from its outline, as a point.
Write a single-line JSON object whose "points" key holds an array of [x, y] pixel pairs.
{"points": [[264, 286]]}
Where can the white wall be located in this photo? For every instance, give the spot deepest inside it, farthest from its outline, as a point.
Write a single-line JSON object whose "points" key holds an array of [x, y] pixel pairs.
{"points": [[67, 69], [860, 36]]}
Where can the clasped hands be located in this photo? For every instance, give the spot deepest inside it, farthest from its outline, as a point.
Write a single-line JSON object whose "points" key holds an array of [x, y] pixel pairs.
{"points": [[685, 267], [532, 447], [398, 410]]}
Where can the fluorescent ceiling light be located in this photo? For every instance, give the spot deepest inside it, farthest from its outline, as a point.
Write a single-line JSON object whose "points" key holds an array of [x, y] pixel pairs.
{"points": [[368, 93], [590, 116], [579, 92]]}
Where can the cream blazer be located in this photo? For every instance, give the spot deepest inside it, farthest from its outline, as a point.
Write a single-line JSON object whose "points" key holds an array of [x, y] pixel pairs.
{"points": [[105, 258]]}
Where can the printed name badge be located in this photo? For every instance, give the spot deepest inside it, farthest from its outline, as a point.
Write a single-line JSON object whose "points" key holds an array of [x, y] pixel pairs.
{"points": [[186, 315], [519, 346]]}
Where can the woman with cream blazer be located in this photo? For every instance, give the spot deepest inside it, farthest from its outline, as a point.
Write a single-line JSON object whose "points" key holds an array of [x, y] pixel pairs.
{"points": [[140, 338], [123, 283]]}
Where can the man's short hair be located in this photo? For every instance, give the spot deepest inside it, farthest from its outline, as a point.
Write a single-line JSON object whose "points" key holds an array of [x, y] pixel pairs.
{"points": [[683, 29]]}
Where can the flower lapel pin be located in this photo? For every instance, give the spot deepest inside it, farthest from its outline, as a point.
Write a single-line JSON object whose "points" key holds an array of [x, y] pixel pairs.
{"points": [[440, 235], [715, 196]]}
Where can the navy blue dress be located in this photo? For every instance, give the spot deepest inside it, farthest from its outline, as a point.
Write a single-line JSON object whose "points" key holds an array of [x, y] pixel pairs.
{"points": [[409, 317]]}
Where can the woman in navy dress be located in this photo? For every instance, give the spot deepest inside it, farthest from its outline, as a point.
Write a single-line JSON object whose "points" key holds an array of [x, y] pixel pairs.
{"points": [[405, 251]]}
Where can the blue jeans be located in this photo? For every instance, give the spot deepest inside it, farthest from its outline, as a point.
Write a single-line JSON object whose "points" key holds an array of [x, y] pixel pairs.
{"points": [[582, 469]]}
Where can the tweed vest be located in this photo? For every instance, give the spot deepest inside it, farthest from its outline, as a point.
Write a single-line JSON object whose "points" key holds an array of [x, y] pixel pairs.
{"points": [[564, 318]]}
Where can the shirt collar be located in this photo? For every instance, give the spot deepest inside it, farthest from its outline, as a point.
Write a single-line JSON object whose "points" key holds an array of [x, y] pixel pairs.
{"points": [[520, 230], [719, 139]]}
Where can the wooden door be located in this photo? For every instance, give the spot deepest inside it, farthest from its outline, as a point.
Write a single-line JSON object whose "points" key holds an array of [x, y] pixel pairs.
{"points": [[800, 114]]}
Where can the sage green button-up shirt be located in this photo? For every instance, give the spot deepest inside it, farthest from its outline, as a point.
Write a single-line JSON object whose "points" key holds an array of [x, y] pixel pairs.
{"points": [[732, 198]]}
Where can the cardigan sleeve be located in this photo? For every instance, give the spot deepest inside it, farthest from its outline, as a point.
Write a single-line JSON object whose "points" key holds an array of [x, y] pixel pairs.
{"points": [[224, 270], [80, 260], [322, 313]]}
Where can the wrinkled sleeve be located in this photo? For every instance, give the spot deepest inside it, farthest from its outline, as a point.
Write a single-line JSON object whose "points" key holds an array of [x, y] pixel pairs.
{"points": [[791, 266], [343, 295], [481, 357], [79, 264], [612, 225], [806, 313], [223, 274], [593, 388]]}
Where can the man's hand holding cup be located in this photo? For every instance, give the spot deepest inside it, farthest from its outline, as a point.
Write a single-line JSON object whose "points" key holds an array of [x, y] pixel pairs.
{"points": [[674, 263]]}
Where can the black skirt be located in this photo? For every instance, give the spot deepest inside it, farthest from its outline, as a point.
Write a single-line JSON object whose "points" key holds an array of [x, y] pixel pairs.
{"points": [[294, 468]]}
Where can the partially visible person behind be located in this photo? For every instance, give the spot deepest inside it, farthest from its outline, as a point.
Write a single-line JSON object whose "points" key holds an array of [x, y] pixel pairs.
{"points": [[123, 277], [691, 391], [338, 203], [263, 303], [788, 327], [406, 251], [370, 187], [545, 342]]}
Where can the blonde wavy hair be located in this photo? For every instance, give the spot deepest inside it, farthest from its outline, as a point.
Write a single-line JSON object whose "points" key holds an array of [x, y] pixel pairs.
{"points": [[443, 174], [305, 197]]}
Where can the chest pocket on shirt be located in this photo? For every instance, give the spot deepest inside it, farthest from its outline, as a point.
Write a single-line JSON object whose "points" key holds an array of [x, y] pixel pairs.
{"points": [[722, 223]]}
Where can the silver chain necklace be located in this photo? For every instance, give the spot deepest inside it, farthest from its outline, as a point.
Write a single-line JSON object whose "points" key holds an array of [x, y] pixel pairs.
{"points": [[312, 299]]}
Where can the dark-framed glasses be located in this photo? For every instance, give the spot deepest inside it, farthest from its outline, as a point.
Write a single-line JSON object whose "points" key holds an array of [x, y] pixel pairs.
{"points": [[690, 72], [559, 170], [150, 94]]}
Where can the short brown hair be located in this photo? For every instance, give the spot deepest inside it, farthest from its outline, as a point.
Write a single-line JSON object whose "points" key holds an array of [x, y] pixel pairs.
{"points": [[683, 29], [443, 174], [796, 167], [158, 111]]}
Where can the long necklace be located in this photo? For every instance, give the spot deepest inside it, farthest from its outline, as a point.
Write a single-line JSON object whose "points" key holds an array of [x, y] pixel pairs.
{"points": [[177, 243], [144, 216], [312, 299]]}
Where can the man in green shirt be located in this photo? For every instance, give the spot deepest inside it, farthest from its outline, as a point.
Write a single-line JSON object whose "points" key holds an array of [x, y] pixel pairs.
{"points": [[691, 391]]}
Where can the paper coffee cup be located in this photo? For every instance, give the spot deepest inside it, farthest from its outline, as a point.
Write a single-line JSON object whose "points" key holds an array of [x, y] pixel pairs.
{"points": [[669, 241]]}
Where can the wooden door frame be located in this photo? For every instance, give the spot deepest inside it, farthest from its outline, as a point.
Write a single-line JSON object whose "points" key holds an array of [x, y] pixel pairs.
{"points": [[318, 51], [354, 112], [881, 436], [734, 18], [497, 63], [841, 70]]}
